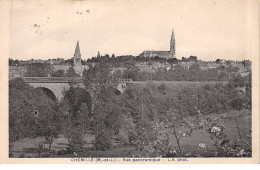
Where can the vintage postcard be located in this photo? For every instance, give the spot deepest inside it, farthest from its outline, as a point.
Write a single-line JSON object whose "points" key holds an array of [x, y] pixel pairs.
{"points": [[129, 82]]}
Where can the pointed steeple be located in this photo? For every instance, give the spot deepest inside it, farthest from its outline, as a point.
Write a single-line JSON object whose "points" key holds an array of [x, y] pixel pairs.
{"points": [[98, 55], [77, 51], [77, 59], [172, 44]]}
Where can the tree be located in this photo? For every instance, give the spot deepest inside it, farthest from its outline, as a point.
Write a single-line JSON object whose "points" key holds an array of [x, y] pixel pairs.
{"points": [[14, 62], [50, 134], [76, 137], [108, 115], [192, 58], [249, 89], [38, 70], [162, 88], [179, 73], [71, 73], [99, 77], [131, 73], [194, 73], [69, 61], [237, 81], [184, 59], [31, 113], [118, 74], [78, 106], [103, 139], [172, 61], [75, 97], [88, 76], [85, 116], [58, 73]]}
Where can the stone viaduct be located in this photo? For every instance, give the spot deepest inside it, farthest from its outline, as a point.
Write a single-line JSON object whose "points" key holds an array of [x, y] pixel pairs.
{"points": [[58, 86]]}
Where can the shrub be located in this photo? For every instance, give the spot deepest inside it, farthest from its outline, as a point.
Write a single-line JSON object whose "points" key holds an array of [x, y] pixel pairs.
{"points": [[103, 140], [162, 88]]}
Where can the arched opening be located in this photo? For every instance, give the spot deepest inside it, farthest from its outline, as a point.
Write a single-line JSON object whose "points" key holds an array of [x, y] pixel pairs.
{"points": [[117, 92], [111, 91], [77, 96], [49, 93]]}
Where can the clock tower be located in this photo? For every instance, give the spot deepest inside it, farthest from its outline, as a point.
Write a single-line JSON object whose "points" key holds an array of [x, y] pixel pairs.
{"points": [[77, 60]]}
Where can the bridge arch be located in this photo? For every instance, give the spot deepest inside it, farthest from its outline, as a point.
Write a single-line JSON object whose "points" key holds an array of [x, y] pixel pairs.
{"points": [[59, 89], [60, 85], [78, 96], [115, 90], [48, 93]]}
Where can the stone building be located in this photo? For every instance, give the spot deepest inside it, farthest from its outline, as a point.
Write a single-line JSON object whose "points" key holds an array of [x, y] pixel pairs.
{"points": [[77, 61], [162, 54], [77, 65]]}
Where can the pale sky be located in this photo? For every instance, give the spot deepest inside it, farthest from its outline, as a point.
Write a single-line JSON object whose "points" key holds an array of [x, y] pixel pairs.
{"points": [[209, 29]]}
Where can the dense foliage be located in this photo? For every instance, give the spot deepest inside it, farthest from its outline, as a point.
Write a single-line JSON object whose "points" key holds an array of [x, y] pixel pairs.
{"points": [[76, 108], [38, 70], [152, 113], [31, 113]]}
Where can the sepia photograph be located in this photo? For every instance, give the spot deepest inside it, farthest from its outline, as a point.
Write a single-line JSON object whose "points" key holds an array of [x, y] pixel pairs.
{"points": [[132, 81]]}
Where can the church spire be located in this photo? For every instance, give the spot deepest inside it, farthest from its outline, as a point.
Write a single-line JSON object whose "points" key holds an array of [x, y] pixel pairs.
{"points": [[77, 59], [172, 44], [77, 51]]}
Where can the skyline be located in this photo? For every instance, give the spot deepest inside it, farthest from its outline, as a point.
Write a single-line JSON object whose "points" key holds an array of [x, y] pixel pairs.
{"points": [[208, 29]]}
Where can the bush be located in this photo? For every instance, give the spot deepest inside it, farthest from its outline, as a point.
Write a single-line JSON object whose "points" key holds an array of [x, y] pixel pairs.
{"points": [[76, 140], [162, 88], [103, 140]]}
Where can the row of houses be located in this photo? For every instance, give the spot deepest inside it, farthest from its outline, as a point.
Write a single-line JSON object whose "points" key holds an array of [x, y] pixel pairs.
{"points": [[57, 61], [243, 67], [20, 71]]}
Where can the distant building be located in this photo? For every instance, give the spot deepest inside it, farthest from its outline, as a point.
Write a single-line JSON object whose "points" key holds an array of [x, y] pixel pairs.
{"points": [[16, 71], [57, 61], [77, 61], [65, 68], [40, 61], [98, 55], [162, 54], [213, 65], [209, 65], [76, 65], [185, 65]]}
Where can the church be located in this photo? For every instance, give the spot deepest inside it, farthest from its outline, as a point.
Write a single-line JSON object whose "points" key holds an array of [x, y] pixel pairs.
{"points": [[162, 54], [77, 61]]}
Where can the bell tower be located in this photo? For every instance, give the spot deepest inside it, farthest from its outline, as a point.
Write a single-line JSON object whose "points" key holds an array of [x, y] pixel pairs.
{"points": [[172, 45], [77, 60], [77, 56]]}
